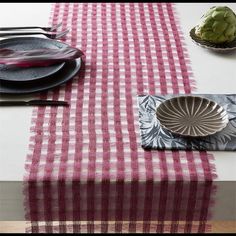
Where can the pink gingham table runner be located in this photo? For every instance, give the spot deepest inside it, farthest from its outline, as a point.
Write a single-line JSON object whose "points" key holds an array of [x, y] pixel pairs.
{"points": [[86, 170]]}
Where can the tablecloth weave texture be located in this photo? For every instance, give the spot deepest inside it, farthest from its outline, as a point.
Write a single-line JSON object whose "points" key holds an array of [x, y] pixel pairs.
{"points": [[86, 170]]}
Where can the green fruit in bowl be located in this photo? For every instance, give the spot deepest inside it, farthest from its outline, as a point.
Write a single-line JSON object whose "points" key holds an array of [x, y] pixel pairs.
{"points": [[217, 25]]}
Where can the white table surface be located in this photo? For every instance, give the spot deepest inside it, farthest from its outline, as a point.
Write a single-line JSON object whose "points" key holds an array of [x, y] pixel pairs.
{"points": [[214, 73]]}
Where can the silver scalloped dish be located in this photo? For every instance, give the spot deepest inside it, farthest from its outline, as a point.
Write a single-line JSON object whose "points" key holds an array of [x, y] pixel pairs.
{"points": [[223, 47], [192, 116]]}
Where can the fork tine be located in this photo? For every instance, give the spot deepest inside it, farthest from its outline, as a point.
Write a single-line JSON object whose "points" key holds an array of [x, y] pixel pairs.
{"points": [[53, 28], [60, 35]]}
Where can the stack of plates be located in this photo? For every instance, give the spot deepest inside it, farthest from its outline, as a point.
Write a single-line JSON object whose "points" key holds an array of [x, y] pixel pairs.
{"points": [[19, 80]]}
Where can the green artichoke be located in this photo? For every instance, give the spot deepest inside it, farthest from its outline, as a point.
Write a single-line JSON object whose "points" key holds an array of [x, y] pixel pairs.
{"points": [[217, 25]]}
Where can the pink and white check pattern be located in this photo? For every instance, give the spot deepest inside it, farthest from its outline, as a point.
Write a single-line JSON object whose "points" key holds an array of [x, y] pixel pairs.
{"points": [[86, 170]]}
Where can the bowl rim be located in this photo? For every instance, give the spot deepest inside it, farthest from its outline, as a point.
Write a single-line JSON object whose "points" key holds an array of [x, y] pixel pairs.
{"points": [[193, 96], [221, 47]]}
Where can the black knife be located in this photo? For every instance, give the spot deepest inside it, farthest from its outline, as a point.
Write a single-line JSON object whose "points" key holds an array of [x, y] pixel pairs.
{"points": [[34, 103]]}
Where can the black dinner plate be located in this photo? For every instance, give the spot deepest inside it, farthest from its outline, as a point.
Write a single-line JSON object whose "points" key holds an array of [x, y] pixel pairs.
{"points": [[69, 70], [19, 74]]}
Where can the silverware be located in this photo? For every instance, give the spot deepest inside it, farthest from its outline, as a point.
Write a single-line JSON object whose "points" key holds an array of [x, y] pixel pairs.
{"points": [[50, 29], [52, 35], [34, 103]]}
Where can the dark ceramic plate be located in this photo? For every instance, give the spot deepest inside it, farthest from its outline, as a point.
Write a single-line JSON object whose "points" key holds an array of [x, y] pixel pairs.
{"points": [[223, 47], [69, 70], [19, 74]]}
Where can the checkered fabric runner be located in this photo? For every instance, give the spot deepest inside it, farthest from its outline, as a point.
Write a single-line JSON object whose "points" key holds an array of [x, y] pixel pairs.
{"points": [[86, 170]]}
